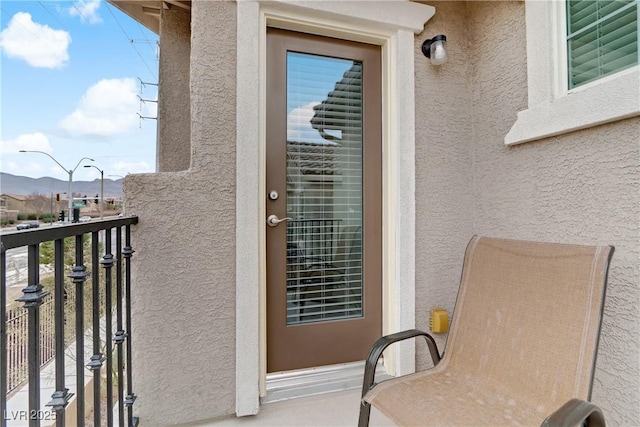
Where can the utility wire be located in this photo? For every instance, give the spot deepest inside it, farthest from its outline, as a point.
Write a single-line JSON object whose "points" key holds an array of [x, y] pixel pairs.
{"points": [[130, 40], [20, 23], [53, 16], [149, 42], [27, 29], [79, 13]]}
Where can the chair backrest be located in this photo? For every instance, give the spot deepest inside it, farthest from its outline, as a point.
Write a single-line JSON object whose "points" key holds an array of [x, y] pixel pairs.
{"points": [[527, 319]]}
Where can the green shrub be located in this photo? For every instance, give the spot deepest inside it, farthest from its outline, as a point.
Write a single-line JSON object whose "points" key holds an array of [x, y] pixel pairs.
{"points": [[32, 217], [22, 217]]}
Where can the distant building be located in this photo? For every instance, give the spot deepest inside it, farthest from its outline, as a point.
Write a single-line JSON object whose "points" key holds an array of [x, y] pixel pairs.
{"points": [[12, 202], [10, 206]]}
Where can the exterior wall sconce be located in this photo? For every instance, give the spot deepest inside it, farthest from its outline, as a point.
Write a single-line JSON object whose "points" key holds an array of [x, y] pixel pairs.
{"points": [[436, 49]]}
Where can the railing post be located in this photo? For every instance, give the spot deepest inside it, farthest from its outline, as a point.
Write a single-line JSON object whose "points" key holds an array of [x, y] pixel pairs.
{"points": [[127, 252], [3, 336], [119, 336], [32, 299], [79, 275], [61, 397], [95, 364], [107, 262], [42, 320]]}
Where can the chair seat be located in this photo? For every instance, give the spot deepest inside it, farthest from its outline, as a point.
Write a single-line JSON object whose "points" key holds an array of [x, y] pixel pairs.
{"points": [[439, 398]]}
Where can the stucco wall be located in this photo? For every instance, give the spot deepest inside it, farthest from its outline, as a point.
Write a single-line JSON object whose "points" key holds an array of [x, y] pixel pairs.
{"points": [[583, 187], [174, 123], [444, 203], [184, 266]]}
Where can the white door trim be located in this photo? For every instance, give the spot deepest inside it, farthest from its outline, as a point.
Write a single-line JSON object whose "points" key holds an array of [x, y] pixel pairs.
{"points": [[392, 25]]}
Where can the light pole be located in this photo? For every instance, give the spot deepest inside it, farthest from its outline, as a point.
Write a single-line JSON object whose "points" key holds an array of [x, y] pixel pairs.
{"points": [[101, 187], [121, 177], [70, 172]]}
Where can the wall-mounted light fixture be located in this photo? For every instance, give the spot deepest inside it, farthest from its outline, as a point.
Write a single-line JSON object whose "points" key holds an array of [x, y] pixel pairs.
{"points": [[436, 49]]}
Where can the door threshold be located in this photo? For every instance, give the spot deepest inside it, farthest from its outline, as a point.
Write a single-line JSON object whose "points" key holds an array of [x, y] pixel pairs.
{"points": [[318, 380]]}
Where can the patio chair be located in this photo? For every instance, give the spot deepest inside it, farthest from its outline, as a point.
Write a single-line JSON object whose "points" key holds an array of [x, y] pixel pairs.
{"points": [[522, 344]]}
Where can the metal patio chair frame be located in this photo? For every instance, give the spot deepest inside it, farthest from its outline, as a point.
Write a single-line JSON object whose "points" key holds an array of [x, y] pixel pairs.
{"points": [[480, 369]]}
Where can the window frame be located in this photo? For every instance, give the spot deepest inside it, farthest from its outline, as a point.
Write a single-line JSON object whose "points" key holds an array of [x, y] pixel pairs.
{"points": [[552, 108]]}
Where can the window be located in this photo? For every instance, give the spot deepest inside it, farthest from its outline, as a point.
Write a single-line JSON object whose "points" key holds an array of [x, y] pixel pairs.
{"points": [[602, 38], [595, 43]]}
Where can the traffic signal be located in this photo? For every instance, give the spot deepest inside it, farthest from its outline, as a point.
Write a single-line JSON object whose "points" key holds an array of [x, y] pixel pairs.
{"points": [[57, 197], [61, 216], [76, 215], [96, 199], [84, 199]]}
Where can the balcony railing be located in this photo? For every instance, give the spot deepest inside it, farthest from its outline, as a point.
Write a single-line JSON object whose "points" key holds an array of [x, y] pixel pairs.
{"points": [[95, 300]]}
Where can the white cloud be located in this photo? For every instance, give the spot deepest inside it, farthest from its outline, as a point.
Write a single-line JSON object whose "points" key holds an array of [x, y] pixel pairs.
{"points": [[125, 167], [87, 10], [108, 108], [38, 45], [32, 141], [299, 124]]}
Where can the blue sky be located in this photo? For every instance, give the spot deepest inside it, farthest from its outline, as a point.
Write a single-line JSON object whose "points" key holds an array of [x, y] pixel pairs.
{"points": [[310, 79], [70, 81]]}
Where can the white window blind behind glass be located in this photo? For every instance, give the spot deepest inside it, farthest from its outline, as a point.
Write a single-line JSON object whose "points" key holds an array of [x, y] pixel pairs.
{"points": [[602, 38], [324, 188]]}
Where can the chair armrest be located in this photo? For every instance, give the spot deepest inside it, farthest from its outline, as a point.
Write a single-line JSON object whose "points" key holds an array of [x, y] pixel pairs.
{"points": [[575, 412], [382, 343]]}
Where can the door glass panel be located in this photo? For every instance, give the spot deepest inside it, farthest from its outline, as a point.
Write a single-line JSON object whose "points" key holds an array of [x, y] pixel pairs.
{"points": [[324, 188]]}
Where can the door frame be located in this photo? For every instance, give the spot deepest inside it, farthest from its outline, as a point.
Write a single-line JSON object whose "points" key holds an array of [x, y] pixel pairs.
{"points": [[393, 28]]}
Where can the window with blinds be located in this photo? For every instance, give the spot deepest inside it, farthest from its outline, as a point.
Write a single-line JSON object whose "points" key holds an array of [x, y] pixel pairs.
{"points": [[324, 188], [602, 38]]}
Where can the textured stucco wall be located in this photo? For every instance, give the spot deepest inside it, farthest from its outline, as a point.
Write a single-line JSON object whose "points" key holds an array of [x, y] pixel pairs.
{"points": [[174, 118], [583, 187], [443, 167], [184, 266]]}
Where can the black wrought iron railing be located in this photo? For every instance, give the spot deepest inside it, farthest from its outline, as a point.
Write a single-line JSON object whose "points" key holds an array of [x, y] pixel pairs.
{"points": [[86, 269]]}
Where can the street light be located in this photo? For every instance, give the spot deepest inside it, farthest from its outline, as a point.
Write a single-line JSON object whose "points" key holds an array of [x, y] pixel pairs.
{"points": [[70, 172], [121, 177], [101, 187]]}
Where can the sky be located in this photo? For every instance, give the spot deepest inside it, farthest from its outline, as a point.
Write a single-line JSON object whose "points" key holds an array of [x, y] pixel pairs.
{"points": [[310, 79], [71, 77]]}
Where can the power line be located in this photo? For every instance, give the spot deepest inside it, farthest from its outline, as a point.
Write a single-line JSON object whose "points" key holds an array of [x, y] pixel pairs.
{"points": [[27, 29], [79, 13], [53, 16], [20, 23], [144, 34], [130, 40]]}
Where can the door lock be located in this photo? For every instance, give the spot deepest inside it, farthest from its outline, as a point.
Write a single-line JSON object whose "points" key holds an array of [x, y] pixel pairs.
{"points": [[273, 220]]}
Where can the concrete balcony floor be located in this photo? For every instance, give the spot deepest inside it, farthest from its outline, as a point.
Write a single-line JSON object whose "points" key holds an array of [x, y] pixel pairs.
{"points": [[331, 409]]}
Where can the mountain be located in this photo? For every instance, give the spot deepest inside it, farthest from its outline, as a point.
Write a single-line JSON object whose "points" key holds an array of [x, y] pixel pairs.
{"points": [[22, 185]]}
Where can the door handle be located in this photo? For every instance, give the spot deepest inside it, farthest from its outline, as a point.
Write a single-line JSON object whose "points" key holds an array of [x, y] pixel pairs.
{"points": [[273, 220]]}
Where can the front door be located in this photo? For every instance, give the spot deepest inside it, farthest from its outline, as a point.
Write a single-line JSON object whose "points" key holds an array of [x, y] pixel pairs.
{"points": [[323, 201]]}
